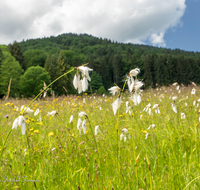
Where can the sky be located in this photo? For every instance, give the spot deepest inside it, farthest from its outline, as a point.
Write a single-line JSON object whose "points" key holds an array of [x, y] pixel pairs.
{"points": [[162, 23]]}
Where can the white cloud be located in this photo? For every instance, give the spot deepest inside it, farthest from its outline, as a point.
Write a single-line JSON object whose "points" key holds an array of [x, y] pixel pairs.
{"points": [[118, 20], [157, 39]]}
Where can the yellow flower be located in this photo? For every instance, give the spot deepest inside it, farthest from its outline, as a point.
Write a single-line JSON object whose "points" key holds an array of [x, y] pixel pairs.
{"points": [[31, 129], [73, 135], [144, 131], [50, 134], [6, 104], [39, 123], [36, 131]]}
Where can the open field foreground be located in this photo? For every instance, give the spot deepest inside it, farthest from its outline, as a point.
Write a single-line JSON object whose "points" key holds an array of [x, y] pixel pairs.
{"points": [[149, 147]]}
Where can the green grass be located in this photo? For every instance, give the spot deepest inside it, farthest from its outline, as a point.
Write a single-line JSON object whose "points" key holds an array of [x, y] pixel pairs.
{"points": [[168, 159]]}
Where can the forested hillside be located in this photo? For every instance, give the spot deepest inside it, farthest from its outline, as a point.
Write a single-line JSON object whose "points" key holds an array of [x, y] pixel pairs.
{"points": [[49, 57]]}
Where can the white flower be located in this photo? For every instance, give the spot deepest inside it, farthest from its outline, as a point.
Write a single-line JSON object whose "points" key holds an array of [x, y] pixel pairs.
{"points": [[136, 98], [193, 91], [23, 128], [84, 84], [114, 89], [174, 108], [124, 134], [116, 104], [177, 88], [174, 98], [85, 71], [79, 123], [83, 126], [52, 113], [130, 83], [80, 87], [76, 80], [151, 126], [20, 121], [36, 112], [26, 110], [71, 119], [156, 108], [96, 130], [81, 114], [137, 85], [17, 108], [182, 115], [128, 108], [147, 134], [53, 149], [134, 72]]}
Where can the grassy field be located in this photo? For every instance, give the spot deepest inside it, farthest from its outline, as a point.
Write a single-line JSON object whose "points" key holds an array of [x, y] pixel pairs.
{"points": [[54, 155]]}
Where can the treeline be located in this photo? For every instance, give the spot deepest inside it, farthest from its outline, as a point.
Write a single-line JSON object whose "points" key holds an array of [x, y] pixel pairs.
{"points": [[111, 61]]}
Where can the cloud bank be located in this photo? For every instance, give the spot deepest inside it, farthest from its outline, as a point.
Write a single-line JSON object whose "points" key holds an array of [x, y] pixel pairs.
{"points": [[118, 20]]}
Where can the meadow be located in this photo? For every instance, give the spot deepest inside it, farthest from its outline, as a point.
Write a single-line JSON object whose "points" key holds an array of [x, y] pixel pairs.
{"points": [[158, 149]]}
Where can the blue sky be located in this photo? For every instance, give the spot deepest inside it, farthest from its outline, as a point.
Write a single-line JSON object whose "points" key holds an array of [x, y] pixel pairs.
{"points": [[186, 36], [164, 23]]}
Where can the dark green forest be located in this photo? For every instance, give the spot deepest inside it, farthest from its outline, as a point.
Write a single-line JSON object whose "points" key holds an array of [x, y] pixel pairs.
{"points": [[32, 62]]}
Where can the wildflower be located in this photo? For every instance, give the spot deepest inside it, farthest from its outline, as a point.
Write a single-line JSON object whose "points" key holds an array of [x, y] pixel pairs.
{"points": [[156, 108], [76, 80], [83, 126], [71, 119], [137, 85], [50, 134], [174, 98], [36, 131], [25, 110], [134, 72], [136, 98], [52, 113], [6, 116], [36, 112], [96, 130], [116, 104], [151, 126], [175, 84], [182, 115], [114, 89], [81, 114], [17, 108], [130, 83], [124, 134], [53, 149], [128, 108], [84, 84], [79, 124], [20, 121], [85, 71], [173, 107], [147, 134], [193, 91]]}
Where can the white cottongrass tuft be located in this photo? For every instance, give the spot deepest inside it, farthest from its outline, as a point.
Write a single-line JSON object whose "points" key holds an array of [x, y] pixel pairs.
{"points": [[114, 90], [96, 130], [71, 119], [36, 112], [82, 114], [116, 104], [20, 121], [52, 113]]}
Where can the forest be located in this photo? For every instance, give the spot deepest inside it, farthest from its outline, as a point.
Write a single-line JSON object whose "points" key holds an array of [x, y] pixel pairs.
{"points": [[28, 64]]}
